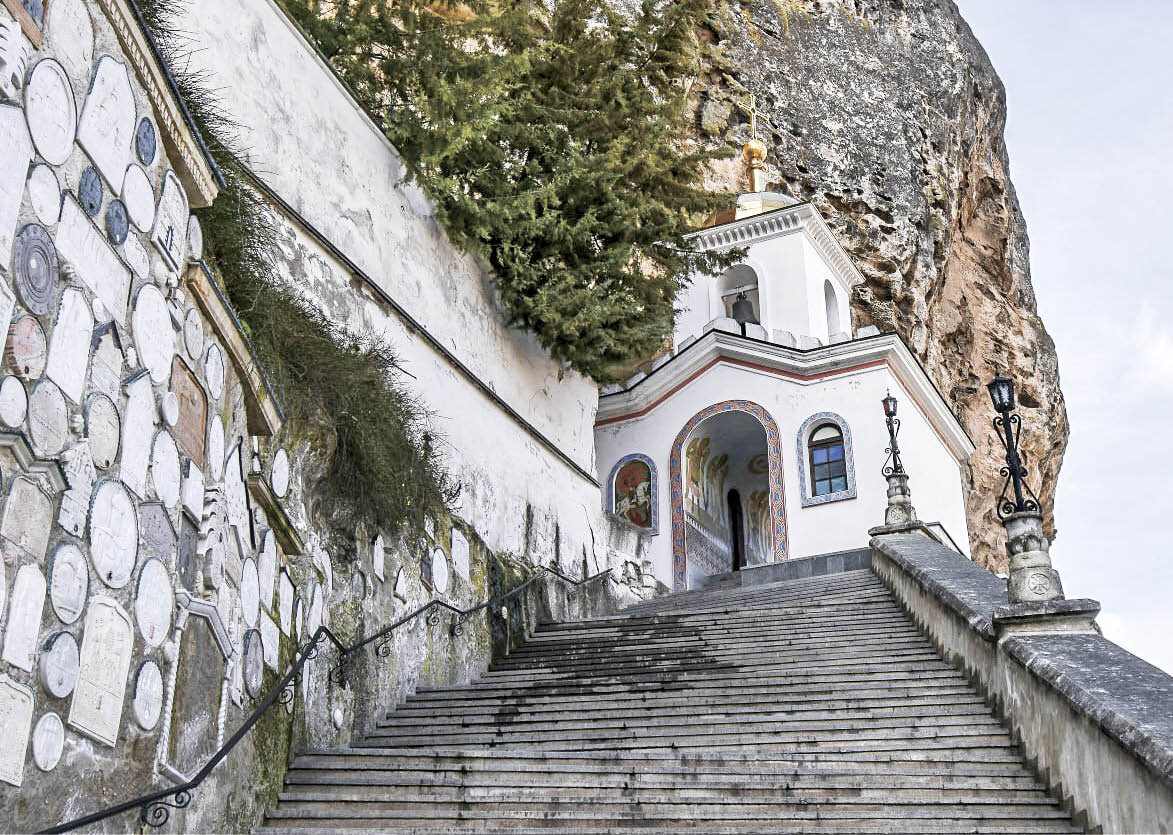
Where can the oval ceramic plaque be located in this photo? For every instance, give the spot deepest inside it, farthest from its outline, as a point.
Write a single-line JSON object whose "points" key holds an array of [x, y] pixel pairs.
{"points": [[216, 448], [250, 592], [439, 571], [139, 198], [165, 474], [214, 371], [103, 429], [48, 419], [48, 741], [34, 268], [113, 533], [45, 194], [27, 349], [254, 663], [51, 111], [14, 402], [279, 475], [195, 239], [153, 602], [153, 333], [69, 580], [193, 333], [60, 662], [148, 695]]}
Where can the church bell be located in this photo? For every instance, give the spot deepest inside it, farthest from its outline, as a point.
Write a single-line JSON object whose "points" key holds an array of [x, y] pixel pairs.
{"points": [[743, 310]]}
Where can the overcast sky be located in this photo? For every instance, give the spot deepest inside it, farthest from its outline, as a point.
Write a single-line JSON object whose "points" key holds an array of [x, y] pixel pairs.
{"points": [[1089, 89]]}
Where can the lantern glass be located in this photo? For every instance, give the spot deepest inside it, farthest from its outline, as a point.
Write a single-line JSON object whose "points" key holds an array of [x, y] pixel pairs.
{"points": [[1002, 393], [889, 406]]}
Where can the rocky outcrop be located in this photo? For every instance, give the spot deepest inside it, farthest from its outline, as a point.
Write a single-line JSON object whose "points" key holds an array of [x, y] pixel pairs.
{"points": [[888, 115]]}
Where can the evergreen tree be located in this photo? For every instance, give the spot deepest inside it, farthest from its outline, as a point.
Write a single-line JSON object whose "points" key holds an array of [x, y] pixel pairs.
{"points": [[553, 136]]}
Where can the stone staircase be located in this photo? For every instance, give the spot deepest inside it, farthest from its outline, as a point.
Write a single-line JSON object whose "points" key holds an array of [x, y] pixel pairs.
{"points": [[810, 705]]}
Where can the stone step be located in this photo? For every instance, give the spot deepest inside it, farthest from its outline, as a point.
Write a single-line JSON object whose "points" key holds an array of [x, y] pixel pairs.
{"points": [[662, 693], [823, 710], [603, 812], [1022, 826], [744, 661], [340, 788], [1000, 761], [878, 674], [322, 771], [722, 639], [359, 803], [873, 606], [709, 725]]}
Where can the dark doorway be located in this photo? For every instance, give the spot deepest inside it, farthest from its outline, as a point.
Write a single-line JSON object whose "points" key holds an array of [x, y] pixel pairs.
{"points": [[736, 535]]}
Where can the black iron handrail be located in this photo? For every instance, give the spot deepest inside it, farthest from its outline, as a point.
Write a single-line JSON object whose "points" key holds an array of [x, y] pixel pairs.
{"points": [[155, 808]]}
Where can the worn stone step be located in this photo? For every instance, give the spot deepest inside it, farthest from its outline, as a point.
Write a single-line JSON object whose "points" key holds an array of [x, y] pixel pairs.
{"points": [[341, 790], [743, 662], [820, 710], [772, 827], [861, 611], [663, 693], [710, 724], [851, 646], [793, 704], [721, 640], [604, 812], [313, 771], [999, 761]]}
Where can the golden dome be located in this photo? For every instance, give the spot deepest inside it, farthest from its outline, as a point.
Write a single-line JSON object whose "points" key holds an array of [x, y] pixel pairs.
{"points": [[754, 151]]}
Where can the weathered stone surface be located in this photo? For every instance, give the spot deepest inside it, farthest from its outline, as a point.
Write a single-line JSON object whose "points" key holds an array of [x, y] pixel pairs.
{"points": [[108, 120], [24, 617], [69, 580], [99, 267], [16, 717], [51, 111], [18, 150], [889, 117]]}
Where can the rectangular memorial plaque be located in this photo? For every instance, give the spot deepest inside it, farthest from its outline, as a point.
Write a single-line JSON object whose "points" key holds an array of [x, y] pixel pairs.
{"points": [[18, 152], [192, 428], [107, 641], [97, 265], [16, 718], [138, 429]]}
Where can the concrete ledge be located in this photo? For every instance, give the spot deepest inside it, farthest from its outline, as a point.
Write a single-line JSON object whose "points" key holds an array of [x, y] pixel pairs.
{"points": [[775, 572], [967, 589], [1097, 720]]}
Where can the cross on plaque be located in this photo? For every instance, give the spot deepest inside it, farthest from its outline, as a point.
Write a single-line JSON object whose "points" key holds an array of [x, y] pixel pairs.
{"points": [[751, 109]]}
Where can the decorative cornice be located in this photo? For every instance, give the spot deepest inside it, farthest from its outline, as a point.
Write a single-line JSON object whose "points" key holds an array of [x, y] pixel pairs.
{"points": [[261, 408], [803, 366], [201, 180], [802, 217]]}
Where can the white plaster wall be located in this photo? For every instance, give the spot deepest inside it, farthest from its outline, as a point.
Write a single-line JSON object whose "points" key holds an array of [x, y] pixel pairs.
{"points": [[310, 143], [854, 396]]}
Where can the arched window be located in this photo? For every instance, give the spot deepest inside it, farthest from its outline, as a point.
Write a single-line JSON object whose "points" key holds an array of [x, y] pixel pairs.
{"points": [[632, 492], [738, 281], [832, 301], [827, 459], [826, 465]]}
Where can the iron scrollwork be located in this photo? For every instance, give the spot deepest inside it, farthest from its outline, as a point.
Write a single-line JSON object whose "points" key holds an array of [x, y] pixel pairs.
{"points": [[1009, 426], [156, 813], [893, 464]]}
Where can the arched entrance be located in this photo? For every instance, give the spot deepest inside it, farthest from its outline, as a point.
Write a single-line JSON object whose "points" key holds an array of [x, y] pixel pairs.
{"points": [[727, 445]]}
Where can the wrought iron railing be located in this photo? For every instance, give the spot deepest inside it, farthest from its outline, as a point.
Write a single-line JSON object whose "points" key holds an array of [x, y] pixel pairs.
{"points": [[155, 807]]}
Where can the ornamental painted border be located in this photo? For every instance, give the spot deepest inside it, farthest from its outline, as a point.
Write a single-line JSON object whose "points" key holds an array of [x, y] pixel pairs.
{"points": [[777, 496], [654, 528], [804, 432]]}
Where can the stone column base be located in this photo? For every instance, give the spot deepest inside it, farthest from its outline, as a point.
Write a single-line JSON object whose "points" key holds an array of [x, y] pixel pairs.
{"points": [[1036, 617]]}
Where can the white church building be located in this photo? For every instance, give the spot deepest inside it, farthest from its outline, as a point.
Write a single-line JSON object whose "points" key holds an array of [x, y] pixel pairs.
{"points": [[761, 437]]}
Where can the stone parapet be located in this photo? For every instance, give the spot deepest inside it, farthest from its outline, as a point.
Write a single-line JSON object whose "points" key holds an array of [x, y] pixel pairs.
{"points": [[1097, 720]]}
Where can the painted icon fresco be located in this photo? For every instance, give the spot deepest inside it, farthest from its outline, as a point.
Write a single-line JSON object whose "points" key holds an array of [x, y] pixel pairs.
{"points": [[633, 493]]}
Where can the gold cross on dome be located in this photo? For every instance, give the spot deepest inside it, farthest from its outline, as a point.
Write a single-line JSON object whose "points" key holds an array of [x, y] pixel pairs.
{"points": [[751, 109]]}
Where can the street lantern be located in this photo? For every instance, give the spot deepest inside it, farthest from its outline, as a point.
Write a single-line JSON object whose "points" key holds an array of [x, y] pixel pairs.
{"points": [[893, 465], [1001, 393]]}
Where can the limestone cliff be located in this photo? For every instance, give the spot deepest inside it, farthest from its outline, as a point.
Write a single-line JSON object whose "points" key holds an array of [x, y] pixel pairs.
{"points": [[888, 115]]}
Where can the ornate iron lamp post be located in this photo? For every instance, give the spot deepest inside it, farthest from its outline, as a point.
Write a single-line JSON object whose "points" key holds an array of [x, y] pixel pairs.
{"points": [[900, 513], [1031, 576]]}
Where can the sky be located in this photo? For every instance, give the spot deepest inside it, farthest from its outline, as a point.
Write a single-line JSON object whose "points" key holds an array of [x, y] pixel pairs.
{"points": [[1089, 90]]}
